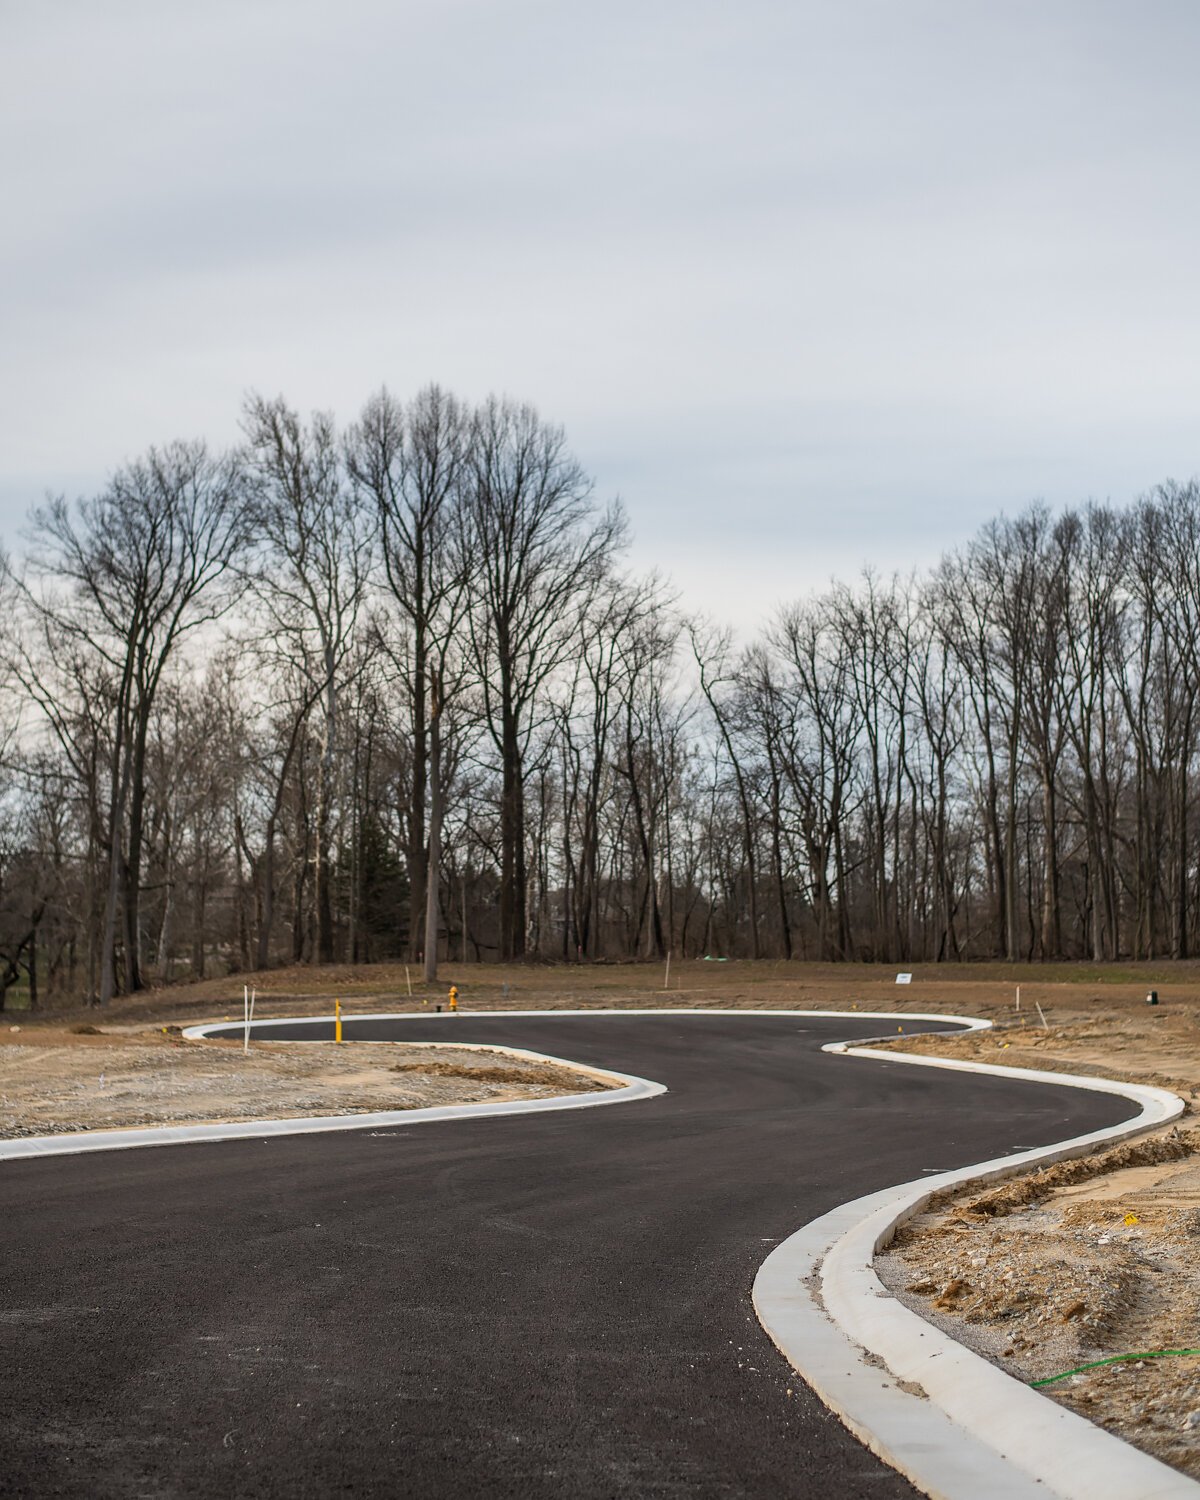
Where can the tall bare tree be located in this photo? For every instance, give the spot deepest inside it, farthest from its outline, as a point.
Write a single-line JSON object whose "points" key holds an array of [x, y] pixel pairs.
{"points": [[542, 546], [412, 465], [310, 579], [126, 576]]}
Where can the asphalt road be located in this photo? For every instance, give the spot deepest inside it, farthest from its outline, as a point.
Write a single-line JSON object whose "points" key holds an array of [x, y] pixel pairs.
{"points": [[548, 1305]]}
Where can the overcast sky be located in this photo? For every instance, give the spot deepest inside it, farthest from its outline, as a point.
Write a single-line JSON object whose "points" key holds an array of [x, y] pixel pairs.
{"points": [[810, 285]]}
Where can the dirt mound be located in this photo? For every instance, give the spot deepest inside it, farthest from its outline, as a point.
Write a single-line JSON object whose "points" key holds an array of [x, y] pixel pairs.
{"points": [[500, 1073], [1082, 1261], [1021, 1192]]}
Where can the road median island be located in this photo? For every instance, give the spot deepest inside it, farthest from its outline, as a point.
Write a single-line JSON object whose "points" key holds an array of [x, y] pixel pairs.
{"points": [[54, 1081]]}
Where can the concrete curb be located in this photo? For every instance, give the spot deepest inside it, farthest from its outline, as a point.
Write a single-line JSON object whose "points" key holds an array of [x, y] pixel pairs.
{"points": [[964, 1023], [957, 1426], [633, 1087], [40, 1146]]}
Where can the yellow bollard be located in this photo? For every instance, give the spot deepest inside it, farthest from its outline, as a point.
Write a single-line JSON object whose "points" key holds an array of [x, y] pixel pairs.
{"points": [[337, 1020], [453, 997]]}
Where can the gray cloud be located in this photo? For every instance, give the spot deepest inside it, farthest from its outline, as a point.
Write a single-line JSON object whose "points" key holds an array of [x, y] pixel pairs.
{"points": [[811, 284]]}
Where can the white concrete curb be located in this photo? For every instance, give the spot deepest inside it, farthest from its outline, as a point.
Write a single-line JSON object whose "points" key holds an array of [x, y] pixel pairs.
{"points": [[39, 1146], [980, 1435], [965, 1023], [633, 1087]]}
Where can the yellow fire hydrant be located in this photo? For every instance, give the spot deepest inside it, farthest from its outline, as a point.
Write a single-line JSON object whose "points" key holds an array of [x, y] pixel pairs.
{"points": [[453, 997]]}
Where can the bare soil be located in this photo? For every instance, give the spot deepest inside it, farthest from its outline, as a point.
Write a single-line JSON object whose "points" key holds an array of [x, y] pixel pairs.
{"points": [[1086, 1259], [1066, 992], [1073, 1264], [53, 1082], [1148, 1044]]}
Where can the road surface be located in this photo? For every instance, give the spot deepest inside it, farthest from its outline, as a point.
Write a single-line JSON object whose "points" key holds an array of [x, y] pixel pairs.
{"points": [[532, 1306]]}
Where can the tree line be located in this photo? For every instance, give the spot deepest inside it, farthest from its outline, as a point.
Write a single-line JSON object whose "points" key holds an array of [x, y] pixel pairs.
{"points": [[389, 691]]}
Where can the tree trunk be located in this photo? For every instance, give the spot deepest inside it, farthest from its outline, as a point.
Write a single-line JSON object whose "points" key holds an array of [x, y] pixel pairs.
{"points": [[199, 911], [163, 963], [133, 857], [33, 965], [419, 877], [108, 941], [266, 899], [513, 871], [1051, 936], [434, 863], [1010, 859]]}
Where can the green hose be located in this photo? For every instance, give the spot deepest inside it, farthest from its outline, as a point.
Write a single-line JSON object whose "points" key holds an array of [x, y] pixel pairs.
{"points": [[1114, 1359]]}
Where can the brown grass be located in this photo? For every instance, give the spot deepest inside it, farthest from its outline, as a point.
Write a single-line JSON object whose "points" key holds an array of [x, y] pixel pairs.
{"points": [[974, 988]]}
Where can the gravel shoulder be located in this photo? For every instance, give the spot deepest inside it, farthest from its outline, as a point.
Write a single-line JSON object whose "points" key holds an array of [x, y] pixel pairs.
{"points": [[55, 1081]]}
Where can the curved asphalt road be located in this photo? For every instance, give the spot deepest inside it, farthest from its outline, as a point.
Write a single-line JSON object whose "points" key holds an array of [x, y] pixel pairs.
{"points": [[549, 1305]]}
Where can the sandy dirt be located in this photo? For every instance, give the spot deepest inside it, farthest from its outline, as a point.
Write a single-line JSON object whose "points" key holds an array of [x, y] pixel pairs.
{"points": [[1073, 1264], [1084, 1260], [53, 1082], [1151, 1045]]}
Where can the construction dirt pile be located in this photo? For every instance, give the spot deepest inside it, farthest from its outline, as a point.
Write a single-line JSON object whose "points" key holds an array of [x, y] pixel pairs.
{"points": [[1078, 1262], [55, 1082]]}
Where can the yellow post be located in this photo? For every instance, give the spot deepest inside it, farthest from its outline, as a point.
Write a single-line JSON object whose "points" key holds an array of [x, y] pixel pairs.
{"points": [[337, 1020]]}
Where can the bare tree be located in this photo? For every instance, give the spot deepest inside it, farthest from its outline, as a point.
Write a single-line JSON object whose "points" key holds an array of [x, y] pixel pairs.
{"points": [[718, 669], [819, 760], [310, 581], [542, 547], [125, 577], [412, 464]]}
